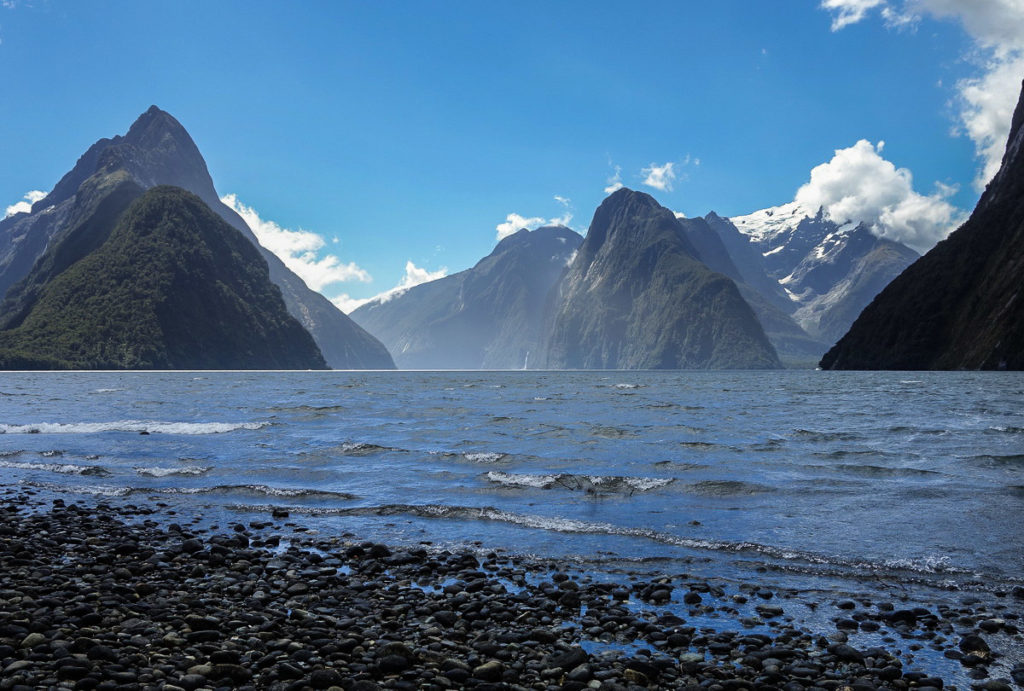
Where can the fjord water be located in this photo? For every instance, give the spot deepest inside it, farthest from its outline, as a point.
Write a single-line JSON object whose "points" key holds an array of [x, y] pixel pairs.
{"points": [[908, 477]]}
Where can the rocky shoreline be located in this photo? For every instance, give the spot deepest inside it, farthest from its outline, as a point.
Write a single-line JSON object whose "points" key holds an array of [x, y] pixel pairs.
{"points": [[127, 597]]}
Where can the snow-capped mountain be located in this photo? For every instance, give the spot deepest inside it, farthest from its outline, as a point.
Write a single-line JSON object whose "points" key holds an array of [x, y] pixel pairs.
{"points": [[830, 271]]}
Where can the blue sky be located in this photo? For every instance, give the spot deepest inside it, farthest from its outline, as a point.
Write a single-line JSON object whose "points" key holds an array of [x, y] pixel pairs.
{"points": [[400, 135]]}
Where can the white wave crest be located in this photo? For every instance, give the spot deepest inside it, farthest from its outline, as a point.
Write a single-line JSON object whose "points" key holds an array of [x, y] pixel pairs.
{"points": [[482, 457], [154, 427], [585, 483], [63, 468], [168, 472]]}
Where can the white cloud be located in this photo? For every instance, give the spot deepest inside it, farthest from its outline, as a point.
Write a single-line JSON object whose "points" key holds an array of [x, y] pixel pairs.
{"points": [[985, 101], [298, 250], [414, 276], [614, 183], [659, 177], [514, 222], [859, 185], [25, 206], [849, 11]]}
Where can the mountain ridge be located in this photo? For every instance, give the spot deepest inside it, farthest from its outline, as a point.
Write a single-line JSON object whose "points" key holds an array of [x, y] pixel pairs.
{"points": [[960, 305], [158, 150]]}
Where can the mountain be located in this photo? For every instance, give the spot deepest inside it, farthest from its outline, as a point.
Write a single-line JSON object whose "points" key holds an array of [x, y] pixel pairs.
{"points": [[636, 296], [488, 317], [724, 249], [158, 151], [830, 271], [150, 280], [960, 306]]}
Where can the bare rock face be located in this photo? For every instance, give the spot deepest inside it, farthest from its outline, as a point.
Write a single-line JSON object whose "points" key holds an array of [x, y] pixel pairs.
{"points": [[157, 150], [960, 306], [637, 296]]}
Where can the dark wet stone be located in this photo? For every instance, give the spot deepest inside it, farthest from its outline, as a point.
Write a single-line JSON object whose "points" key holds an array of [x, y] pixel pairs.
{"points": [[973, 643], [570, 659]]}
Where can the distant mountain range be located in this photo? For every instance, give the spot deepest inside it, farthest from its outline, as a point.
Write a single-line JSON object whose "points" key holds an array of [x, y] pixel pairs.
{"points": [[830, 271], [621, 302], [632, 294], [961, 305], [488, 317], [86, 204], [646, 288]]}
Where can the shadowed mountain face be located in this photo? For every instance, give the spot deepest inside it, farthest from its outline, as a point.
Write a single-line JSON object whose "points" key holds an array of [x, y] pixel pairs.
{"points": [[158, 151], [960, 306], [637, 296], [488, 317], [725, 249], [150, 280]]}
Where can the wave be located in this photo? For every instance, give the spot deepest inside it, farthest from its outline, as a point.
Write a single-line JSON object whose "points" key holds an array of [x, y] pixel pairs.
{"points": [[926, 564], [258, 490], [253, 490], [358, 448], [680, 465], [152, 427], [608, 432], [62, 468], [169, 472], [484, 457], [813, 435], [1011, 458], [1006, 429], [883, 471], [315, 409], [593, 484], [725, 488]]}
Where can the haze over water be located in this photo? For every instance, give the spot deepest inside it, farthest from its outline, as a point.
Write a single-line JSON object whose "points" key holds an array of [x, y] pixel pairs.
{"points": [[907, 476]]}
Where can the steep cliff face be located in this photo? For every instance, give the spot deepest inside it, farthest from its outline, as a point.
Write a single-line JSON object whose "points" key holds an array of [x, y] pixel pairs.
{"points": [[636, 296], [960, 306], [725, 250], [151, 280], [488, 317], [157, 150]]}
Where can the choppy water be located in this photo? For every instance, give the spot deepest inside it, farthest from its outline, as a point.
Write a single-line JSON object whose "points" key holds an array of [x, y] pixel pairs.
{"points": [[909, 477]]}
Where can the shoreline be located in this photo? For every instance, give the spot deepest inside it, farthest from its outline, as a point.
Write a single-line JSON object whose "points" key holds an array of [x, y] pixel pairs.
{"points": [[100, 596]]}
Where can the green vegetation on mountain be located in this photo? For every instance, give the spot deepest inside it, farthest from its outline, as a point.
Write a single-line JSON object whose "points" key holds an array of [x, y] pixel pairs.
{"points": [[170, 285]]}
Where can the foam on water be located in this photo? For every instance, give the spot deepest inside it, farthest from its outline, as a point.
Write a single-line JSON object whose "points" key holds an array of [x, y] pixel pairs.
{"points": [[157, 471], [62, 468], [153, 427], [584, 483]]}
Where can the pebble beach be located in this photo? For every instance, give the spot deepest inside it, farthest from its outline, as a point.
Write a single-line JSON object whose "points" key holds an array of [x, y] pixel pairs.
{"points": [[101, 596]]}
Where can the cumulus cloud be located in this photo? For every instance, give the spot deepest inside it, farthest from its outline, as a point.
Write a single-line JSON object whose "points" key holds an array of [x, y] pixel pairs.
{"points": [[659, 177], [859, 185], [298, 249], [414, 276], [985, 101], [514, 222], [25, 206]]}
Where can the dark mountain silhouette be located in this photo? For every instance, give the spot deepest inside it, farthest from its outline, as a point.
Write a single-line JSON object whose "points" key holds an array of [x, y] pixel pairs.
{"points": [[960, 306]]}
